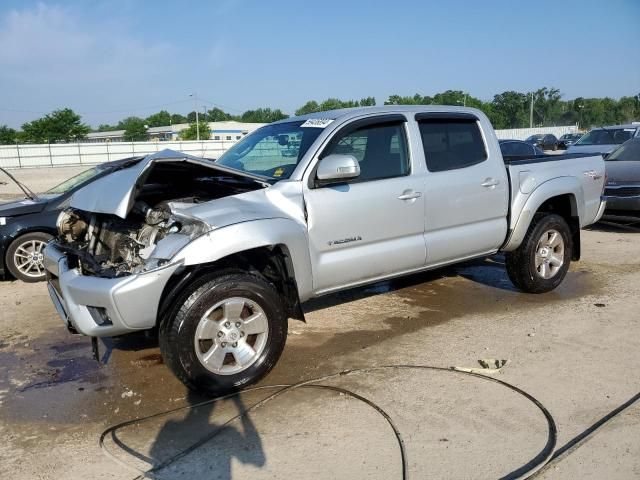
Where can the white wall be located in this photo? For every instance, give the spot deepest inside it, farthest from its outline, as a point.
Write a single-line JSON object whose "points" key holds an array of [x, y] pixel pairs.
{"points": [[21, 156], [28, 155], [524, 133]]}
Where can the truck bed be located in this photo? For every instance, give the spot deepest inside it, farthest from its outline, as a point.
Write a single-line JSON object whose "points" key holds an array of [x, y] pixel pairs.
{"points": [[580, 174]]}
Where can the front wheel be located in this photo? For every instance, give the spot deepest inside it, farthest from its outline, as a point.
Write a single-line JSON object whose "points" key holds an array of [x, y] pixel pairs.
{"points": [[226, 331], [542, 260]]}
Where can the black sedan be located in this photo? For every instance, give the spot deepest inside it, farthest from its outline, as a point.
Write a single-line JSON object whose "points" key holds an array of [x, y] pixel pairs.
{"points": [[568, 139], [518, 148], [543, 141], [622, 189], [28, 223]]}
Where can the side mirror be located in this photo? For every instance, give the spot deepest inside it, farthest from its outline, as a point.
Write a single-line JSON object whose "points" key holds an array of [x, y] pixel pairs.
{"points": [[337, 167]]}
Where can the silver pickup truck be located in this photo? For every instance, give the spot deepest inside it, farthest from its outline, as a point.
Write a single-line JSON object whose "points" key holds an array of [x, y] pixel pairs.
{"points": [[218, 255]]}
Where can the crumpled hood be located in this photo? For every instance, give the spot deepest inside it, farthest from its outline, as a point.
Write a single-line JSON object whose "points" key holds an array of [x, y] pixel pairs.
{"points": [[225, 211], [22, 207], [604, 149], [115, 192]]}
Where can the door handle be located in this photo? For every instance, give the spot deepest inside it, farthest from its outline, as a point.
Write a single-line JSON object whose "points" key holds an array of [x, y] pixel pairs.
{"points": [[490, 182], [409, 195]]}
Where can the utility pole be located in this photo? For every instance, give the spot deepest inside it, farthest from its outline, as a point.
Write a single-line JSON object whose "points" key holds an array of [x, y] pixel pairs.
{"points": [[195, 105], [531, 112]]}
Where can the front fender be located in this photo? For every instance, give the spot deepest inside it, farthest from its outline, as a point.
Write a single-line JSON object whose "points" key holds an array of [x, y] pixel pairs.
{"points": [[529, 204], [239, 237]]}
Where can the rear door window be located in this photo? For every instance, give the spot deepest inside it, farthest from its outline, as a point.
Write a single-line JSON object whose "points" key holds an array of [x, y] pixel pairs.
{"points": [[451, 144]]}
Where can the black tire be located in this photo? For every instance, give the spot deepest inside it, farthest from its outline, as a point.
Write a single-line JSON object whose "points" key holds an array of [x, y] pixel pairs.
{"points": [[15, 254], [178, 330], [521, 263]]}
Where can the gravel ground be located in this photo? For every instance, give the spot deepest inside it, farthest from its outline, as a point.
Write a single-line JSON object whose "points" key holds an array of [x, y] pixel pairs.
{"points": [[574, 349]]}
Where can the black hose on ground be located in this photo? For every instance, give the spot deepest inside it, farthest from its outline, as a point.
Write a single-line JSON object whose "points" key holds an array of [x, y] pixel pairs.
{"points": [[531, 469]]}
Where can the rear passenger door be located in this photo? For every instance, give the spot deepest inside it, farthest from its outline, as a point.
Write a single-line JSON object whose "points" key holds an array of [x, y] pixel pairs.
{"points": [[466, 192]]}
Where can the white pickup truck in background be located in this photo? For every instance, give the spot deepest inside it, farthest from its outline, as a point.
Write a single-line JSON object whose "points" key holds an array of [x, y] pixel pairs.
{"points": [[219, 255]]}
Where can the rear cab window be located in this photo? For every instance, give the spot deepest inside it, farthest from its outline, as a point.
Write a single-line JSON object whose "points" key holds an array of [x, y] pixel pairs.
{"points": [[451, 143]]}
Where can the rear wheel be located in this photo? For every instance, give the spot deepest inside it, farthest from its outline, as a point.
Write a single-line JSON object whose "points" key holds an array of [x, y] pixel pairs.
{"points": [[541, 262], [226, 331], [24, 256]]}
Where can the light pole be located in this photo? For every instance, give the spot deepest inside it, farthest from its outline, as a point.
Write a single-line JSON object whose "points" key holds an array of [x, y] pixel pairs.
{"points": [[531, 112], [195, 104], [580, 107]]}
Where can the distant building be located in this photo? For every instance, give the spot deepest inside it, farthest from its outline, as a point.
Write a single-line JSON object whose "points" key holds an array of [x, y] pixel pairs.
{"points": [[222, 131]]}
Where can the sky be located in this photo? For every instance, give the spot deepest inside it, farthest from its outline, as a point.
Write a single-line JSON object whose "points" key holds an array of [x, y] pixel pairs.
{"points": [[108, 59]]}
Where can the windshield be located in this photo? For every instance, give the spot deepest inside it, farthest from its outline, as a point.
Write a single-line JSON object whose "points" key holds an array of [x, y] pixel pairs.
{"points": [[628, 152], [273, 150], [73, 182], [535, 137], [610, 136]]}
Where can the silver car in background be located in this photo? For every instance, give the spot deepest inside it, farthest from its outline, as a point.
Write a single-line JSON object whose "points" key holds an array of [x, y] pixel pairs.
{"points": [[605, 140]]}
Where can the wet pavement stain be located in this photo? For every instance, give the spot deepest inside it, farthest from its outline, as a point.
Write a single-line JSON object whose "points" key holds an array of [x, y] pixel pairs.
{"points": [[478, 287], [56, 381], [132, 380]]}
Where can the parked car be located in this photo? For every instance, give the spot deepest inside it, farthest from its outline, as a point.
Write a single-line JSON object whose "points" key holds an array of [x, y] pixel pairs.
{"points": [[543, 141], [219, 255], [605, 139], [28, 223], [518, 148], [568, 139], [622, 190]]}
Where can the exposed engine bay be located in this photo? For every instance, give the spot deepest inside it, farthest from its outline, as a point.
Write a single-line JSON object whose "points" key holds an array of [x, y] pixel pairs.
{"points": [[106, 245]]}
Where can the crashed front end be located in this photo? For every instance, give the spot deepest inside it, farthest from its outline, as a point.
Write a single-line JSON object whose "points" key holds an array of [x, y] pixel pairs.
{"points": [[106, 275], [109, 265]]}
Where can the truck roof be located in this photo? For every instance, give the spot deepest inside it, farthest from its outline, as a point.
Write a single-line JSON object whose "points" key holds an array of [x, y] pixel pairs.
{"points": [[346, 113]]}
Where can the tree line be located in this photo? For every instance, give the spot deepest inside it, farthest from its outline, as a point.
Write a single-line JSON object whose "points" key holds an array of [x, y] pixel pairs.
{"points": [[544, 107]]}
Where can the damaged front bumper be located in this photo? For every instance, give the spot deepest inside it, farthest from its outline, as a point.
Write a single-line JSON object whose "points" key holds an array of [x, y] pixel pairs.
{"points": [[103, 307]]}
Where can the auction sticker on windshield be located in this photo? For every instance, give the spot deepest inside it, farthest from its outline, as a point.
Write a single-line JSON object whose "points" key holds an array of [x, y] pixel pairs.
{"points": [[317, 122]]}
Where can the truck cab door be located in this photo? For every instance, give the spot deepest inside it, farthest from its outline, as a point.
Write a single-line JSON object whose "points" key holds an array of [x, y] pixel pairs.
{"points": [[467, 190], [371, 226]]}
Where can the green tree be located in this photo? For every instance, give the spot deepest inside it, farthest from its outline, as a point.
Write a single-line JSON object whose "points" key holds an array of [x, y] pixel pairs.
{"points": [[333, 104], [191, 133], [177, 118], [509, 110], [105, 127], [160, 119], [262, 115], [627, 109], [217, 115], [7, 135], [368, 102], [62, 125], [417, 99], [310, 107], [134, 129]]}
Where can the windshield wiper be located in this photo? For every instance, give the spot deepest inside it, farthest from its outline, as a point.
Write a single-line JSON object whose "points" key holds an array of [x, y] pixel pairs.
{"points": [[30, 195]]}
